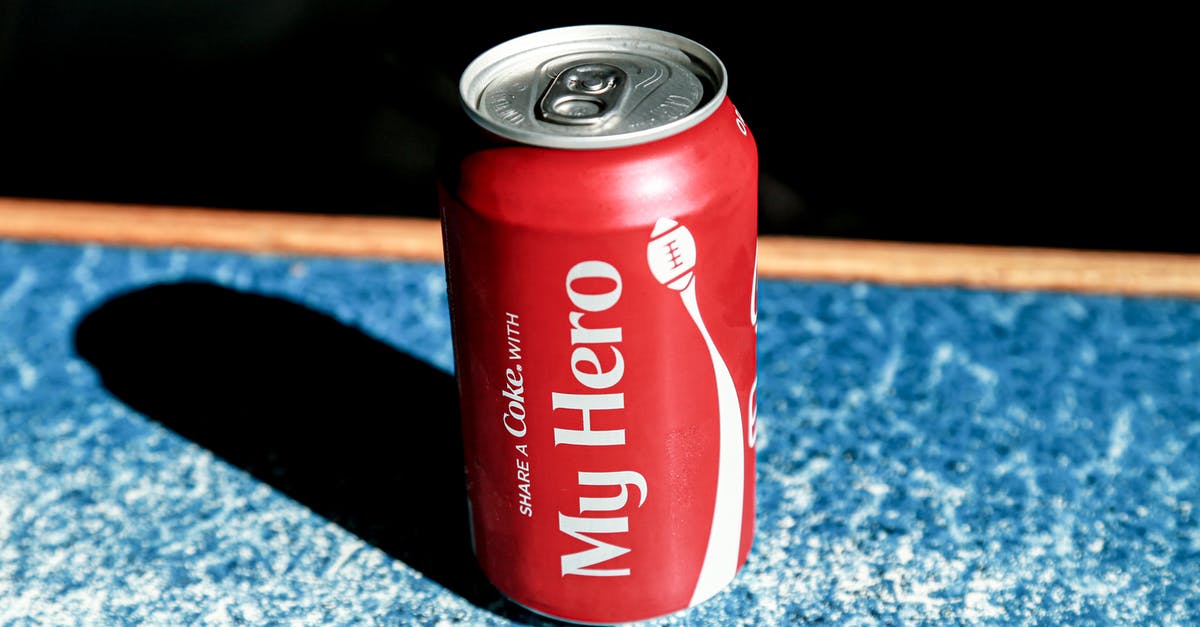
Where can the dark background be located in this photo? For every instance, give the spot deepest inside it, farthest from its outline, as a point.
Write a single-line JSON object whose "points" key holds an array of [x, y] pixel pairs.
{"points": [[1014, 126]]}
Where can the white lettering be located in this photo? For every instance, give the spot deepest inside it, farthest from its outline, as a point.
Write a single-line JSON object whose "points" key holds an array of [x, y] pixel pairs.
{"points": [[586, 285], [580, 563], [580, 335], [586, 404], [594, 270], [598, 380], [611, 503], [524, 494], [514, 418]]}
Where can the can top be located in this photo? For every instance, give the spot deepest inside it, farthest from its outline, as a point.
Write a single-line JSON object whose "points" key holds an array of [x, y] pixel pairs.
{"points": [[598, 86]]}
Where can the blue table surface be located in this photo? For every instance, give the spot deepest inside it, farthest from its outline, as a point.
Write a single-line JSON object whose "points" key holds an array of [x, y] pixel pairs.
{"points": [[926, 455]]}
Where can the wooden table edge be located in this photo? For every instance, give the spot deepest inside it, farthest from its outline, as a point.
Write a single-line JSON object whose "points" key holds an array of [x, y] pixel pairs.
{"points": [[419, 239]]}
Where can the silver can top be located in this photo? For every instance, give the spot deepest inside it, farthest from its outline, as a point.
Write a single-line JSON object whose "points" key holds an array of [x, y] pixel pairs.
{"points": [[599, 86]]}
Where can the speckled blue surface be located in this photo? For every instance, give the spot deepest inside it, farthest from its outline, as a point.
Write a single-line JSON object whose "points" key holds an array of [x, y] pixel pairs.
{"points": [[926, 456]]}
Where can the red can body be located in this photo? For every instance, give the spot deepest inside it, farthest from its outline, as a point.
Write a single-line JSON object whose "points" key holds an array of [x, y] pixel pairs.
{"points": [[603, 310]]}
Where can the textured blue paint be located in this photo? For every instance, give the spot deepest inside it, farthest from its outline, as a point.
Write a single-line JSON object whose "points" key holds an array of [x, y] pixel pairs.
{"points": [[926, 456]]}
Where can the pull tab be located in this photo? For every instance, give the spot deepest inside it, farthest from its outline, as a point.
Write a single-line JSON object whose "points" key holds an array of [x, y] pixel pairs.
{"points": [[583, 94]]}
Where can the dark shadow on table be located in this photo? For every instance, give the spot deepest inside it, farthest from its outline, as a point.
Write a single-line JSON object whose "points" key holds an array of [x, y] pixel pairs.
{"points": [[359, 432]]}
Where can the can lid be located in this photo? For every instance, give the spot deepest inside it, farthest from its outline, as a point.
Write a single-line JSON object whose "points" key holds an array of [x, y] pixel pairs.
{"points": [[599, 86]]}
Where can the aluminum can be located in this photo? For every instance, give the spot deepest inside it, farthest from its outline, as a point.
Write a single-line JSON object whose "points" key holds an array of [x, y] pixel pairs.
{"points": [[601, 263]]}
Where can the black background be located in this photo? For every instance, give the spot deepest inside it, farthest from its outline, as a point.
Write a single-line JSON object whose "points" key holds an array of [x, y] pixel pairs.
{"points": [[981, 125]]}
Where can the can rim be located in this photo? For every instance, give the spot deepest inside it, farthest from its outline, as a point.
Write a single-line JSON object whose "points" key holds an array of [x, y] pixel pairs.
{"points": [[492, 63]]}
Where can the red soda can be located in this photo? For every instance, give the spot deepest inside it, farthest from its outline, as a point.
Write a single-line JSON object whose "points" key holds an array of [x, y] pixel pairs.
{"points": [[601, 264]]}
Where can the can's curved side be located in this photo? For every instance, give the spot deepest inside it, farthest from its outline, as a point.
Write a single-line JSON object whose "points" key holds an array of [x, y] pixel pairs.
{"points": [[603, 315]]}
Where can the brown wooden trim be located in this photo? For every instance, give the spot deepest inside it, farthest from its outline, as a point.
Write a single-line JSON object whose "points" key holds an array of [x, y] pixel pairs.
{"points": [[250, 231], [995, 267], [992, 267]]}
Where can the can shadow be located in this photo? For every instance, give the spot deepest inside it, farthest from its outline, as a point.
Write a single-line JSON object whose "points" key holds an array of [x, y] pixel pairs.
{"points": [[361, 433]]}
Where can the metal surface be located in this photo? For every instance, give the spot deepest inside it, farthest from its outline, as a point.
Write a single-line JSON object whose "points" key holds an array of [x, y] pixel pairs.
{"points": [[610, 474], [593, 86]]}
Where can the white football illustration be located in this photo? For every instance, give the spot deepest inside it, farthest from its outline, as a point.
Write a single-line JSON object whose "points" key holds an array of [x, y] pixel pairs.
{"points": [[671, 254]]}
